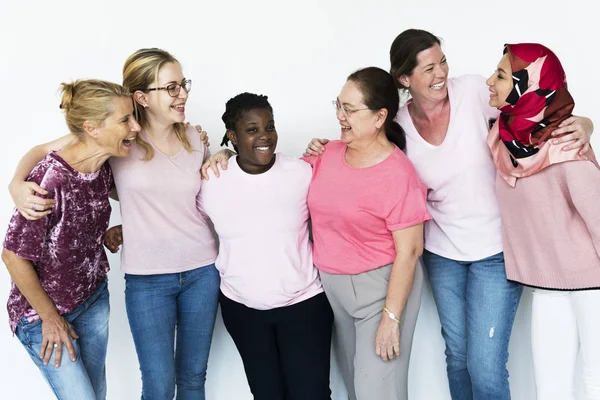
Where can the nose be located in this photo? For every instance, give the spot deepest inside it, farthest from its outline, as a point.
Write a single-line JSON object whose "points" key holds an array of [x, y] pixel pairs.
{"points": [[490, 80], [135, 126], [339, 113]]}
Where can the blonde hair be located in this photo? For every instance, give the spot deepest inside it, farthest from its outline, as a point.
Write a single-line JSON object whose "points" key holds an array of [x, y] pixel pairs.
{"points": [[88, 100], [140, 71]]}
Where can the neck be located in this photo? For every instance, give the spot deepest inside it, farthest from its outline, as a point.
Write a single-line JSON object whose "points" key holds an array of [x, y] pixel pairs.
{"points": [[370, 146], [158, 130], [254, 169], [84, 157], [426, 109]]}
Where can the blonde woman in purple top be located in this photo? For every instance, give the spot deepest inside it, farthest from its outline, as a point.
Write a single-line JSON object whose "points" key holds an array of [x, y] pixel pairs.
{"points": [[59, 293]]}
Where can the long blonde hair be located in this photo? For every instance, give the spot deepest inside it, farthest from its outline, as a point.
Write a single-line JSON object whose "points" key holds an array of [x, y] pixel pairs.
{"points": [[88, 100], [140, 71]]}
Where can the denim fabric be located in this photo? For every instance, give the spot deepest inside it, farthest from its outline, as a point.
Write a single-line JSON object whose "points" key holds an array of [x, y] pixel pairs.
{"points": [[477, 308], [172, 317], [84, 378]]}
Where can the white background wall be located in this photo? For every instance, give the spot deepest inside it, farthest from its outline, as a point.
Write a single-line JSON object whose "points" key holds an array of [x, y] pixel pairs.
{"points": [[299, 54]]}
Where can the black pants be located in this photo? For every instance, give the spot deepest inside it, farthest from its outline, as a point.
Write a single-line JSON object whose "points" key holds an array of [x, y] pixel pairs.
{"points": [[285, 350]]}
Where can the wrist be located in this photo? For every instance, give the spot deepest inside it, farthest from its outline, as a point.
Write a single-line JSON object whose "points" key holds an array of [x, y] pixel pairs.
{"points": [[48, 315], [391, 316]]}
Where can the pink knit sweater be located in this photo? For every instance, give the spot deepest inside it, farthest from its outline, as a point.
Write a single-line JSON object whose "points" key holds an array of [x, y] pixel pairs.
{"points": [[551, 226]]}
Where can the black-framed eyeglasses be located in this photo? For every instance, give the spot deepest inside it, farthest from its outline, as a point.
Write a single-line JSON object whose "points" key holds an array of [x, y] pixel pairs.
{"points": [[175, 88]]}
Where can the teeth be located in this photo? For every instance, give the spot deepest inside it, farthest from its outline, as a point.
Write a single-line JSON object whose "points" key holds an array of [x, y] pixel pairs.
{"points": [[438, 86], [180, 107], [263, 148], [346, 128]]}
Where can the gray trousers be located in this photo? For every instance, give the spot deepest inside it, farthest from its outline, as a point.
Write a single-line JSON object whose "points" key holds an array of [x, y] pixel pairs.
{"points": [[357, 302]]}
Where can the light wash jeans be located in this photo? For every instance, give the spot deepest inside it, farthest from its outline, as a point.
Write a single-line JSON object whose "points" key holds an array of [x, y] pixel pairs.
{"points": [[85, 378], [172, 317], [477, 308]]}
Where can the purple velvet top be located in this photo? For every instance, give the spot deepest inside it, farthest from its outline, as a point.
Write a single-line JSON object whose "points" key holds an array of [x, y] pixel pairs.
{"points": [[65, 247]]}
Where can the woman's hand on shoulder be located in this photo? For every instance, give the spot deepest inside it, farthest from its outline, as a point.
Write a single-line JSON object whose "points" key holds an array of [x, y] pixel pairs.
{"points": [[577, 130], [316, 147], [26, 196], [220, 158]]}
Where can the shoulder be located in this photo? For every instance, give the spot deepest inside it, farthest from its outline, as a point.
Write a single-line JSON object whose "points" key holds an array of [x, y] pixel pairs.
{"points": [[293, 165], [49, 173]]}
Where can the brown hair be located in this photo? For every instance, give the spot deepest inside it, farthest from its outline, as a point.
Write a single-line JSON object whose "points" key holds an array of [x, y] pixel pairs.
{"points": [[140, 71], [88, 100], [405, 49]]}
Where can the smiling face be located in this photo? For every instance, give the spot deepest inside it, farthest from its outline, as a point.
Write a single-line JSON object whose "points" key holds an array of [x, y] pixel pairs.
{"points": [[501, 83], [428, 81], [356, 119], [255, 137], [115, 135], [162, 106]]}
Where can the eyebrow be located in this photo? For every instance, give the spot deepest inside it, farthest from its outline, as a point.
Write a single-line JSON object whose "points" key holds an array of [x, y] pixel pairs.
{"points": [[501, 70], [345, 103], [256, 123], [430, 64]]}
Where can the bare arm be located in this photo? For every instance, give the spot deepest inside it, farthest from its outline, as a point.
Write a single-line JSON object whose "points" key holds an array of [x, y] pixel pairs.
{"points": [[409, 247], [55, 329], [22, 192]]}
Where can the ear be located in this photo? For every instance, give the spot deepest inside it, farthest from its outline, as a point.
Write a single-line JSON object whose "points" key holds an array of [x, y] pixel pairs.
{"points": [[404, 81], [381, 117], [140, 98], [232, 137], [91, 129]]}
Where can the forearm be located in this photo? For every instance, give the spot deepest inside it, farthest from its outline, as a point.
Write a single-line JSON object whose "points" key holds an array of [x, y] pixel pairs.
{"points": [[25, 278], [401, 281]]}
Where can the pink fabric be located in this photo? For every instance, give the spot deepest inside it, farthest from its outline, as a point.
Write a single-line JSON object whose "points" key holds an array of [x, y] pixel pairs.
{"points": [[163, 231], [551, 227], [355, 210], [548, 154], [265, 256]]}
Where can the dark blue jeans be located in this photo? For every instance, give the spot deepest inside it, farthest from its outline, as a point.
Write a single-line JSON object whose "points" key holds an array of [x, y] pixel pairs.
{"points": [[477, 308], [84, 378], [172, 317]]}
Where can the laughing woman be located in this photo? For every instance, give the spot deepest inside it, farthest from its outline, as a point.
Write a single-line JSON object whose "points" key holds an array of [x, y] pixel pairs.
{"points": [[272, 300], [59, 295]]}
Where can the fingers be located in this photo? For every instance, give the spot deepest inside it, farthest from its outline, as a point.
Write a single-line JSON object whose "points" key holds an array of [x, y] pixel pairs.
{"points": [[58, 355], [204, 170], [574, 145], [70, 350], [566, 122], [584, 149], [48, 352], [198, 129], [214, 165]]}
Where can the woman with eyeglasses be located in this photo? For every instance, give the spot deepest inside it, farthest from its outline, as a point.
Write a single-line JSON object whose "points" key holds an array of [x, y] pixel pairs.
{"points": [[172, 285]]}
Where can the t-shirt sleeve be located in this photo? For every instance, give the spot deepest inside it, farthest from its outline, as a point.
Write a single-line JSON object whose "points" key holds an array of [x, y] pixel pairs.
{"points": [[26, 238], [409, 206]]}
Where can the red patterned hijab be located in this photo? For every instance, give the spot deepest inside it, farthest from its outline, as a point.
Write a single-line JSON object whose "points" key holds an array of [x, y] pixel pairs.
{"points": [[538, 103]]}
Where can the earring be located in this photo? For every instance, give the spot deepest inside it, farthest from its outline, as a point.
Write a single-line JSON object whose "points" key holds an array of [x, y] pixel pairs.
{"points": [[144, 105]]}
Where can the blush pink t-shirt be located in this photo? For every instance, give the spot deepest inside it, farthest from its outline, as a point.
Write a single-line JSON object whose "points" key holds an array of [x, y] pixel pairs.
{"points": [[355, 210], [265, 256], [163, 231]]}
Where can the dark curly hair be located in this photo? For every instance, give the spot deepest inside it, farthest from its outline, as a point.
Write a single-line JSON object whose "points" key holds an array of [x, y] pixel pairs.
{"points": [[236, 106]]}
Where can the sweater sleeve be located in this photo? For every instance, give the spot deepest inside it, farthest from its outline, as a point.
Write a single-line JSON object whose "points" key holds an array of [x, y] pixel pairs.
{"points": [[582, 182]]}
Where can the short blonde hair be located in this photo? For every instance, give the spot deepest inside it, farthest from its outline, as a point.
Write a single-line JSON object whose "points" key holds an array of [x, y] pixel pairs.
{"points": [[88, 100], [139, 72]]}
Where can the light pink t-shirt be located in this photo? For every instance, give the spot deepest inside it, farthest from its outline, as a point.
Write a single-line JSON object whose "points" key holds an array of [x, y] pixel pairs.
{"points": [[163, 230], [265, 256], [460, 175], [355, 210]]}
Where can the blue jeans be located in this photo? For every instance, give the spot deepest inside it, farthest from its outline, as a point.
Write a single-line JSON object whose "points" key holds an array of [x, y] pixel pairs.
{"points": [[157, 307], [477, 308], [84, 378]]}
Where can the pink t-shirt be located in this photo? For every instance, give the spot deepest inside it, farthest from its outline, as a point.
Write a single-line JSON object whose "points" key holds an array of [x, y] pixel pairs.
{"points": [[163, 230], [265, 256], [355, 210]]}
